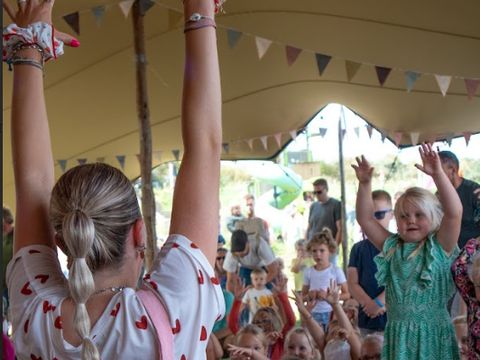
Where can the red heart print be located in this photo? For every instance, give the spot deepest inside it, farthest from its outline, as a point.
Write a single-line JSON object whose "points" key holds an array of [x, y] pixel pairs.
{"points": [[43, 278], [25, 326], [33, 357], [214, 281], [25, 289], [114, 312], [153, 284], [142, 324], [33, 251], [183, 357], [194, 246], [47, 307], [146, 277], [175, 245], [58, 323], [200, 277], [203, 334], [177, 327]]}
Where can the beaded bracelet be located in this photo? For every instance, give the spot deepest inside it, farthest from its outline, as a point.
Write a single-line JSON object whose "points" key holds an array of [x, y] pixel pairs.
{"points": [[25, 61]]}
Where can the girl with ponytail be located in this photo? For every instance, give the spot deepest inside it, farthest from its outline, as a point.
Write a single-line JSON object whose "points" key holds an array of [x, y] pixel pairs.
{"points": [[92, 214]]}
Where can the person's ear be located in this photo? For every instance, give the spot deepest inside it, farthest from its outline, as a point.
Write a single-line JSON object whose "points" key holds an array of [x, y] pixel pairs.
{"points": [[139, 233]]}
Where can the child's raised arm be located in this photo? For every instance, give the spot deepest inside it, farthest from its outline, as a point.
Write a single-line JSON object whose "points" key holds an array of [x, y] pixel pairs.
{"points": [[452, 207], [364, 209]]}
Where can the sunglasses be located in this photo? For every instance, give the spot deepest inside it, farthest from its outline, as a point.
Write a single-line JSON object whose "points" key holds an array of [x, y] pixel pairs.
{"points": [[220, 257], [318, 192], [380, 215]]}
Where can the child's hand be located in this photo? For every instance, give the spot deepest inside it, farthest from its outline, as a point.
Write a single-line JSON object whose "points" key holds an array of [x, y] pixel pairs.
{"points": [[239, 288], [304, 307], [431, 163], [274, 336], [333, 293], [281, 284], [363, 170]]}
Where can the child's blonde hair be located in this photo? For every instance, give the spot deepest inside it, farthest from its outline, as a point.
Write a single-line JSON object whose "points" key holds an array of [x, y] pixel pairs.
{"points": [[252, 330], [258, 272], [306, 333], [323, 237]]}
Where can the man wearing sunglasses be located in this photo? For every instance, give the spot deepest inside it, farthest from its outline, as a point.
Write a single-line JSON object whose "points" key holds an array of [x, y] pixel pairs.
{"points": [[325, 212], [361, 272]]}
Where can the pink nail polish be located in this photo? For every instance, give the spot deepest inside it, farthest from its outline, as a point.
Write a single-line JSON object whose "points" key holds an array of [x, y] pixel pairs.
{"points": [[75, 43]]}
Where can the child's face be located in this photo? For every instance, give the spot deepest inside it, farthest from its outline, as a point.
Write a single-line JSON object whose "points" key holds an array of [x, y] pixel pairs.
{"points": [[301, 251], [249, 341], [264, 321], [413, 224], [259, 281], [320, 254], [298, 345]]}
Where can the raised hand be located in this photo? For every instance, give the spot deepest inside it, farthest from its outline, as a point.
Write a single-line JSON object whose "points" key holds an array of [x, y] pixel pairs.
{"points": [[281, 284], [333, 293], [363, 169], [304, 306], [239, 288], [431, 163]]}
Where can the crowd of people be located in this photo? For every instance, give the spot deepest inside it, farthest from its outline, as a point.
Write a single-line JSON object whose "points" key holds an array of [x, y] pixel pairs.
{"points": [[203, 298]]}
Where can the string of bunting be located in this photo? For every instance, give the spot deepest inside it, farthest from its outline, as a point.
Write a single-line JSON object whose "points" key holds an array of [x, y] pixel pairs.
{"points": [[292, 53], [277, 139]]}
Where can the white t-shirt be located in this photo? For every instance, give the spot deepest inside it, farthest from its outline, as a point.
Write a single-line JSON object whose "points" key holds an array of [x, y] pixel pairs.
{"points": [[182, 277], [257, 257], [256, 299], [320, 280]]}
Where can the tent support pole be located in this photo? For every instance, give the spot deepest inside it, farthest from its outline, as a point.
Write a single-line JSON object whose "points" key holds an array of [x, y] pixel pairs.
{"points": [[342, 185]]}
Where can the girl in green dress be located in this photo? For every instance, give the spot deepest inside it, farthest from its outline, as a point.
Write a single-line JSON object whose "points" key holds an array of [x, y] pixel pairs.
{"points": [[414, 264]]}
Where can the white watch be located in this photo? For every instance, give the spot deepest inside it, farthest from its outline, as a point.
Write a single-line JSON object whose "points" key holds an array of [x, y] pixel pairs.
{"points": [[197, 17]]}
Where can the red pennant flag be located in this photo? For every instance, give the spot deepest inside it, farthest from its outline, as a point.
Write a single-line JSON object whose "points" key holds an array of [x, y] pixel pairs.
{"points": [[382, 74], [292, 54], [73, 20], [472, 86], [397, 137], [467, 136]]}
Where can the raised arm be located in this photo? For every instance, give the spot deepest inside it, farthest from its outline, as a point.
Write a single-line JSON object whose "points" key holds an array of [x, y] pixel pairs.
{"points": [[31, 147], [364, 208], [452, 207], [195, 199]]}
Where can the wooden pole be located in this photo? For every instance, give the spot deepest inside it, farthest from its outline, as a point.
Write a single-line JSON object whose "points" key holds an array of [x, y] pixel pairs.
{"points": [[148, 198], [342, 185]]}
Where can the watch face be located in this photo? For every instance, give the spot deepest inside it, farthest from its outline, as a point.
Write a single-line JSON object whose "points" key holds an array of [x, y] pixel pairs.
{"points": [[195, 17]]}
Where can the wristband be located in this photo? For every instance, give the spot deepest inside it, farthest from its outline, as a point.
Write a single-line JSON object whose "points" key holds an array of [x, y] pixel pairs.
{"points": [[378, 302]]}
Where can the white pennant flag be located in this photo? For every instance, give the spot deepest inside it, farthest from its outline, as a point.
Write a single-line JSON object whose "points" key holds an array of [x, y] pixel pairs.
{"points": [[293, 134], [443, 82], [357, 131], [125, 6], [250, 143], [263, 139], [278, 139], [414, 137], [262, 46]]}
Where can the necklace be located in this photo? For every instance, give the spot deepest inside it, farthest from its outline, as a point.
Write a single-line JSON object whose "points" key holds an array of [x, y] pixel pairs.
{"points": [[114, 289]]}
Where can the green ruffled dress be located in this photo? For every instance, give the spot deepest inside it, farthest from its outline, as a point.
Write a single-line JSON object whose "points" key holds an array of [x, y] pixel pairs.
{"points": [[417, 292]]}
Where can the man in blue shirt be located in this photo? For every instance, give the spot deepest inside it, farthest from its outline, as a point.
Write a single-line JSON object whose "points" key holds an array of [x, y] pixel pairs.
{"points": [[361, 272]]}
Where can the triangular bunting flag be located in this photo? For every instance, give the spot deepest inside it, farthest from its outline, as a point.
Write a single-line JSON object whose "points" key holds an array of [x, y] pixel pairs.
{"points": [[262, 46], [250, 143], [100, 159], [278, 139], [322, 132], [467, 135], [449, 138], [383, 135], [352, 68], [293, 134], [98, 12], [357, 131], [233, 36], [322, 62], [174, 18], [370, 130], [382, 74], [126, 6], [411, 77], [263, 139], [292, 54], [157, 155], [397, 137], [226, 147], [176, 154], [145, 5], [73, 20], [82, 161], [121, 160], [63, 164], [472, 86], [443, 82], [414, 137]]}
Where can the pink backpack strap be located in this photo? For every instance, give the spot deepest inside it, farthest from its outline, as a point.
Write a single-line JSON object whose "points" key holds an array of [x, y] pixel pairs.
{"points": [[159, 317]]}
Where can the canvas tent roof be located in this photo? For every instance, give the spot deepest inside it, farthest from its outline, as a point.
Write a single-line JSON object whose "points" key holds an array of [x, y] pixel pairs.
{"points": [[91, 90]]}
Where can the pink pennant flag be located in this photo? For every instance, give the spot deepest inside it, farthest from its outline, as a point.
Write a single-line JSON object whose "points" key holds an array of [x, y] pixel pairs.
{"points": [[278, 139], [472, 86], [126, 6], [351, 67], [292, 54], [370, 131], [443, 82], [467, 135], [357, 131], [382, 74], [414, 137], [250, 143], [262, 46], [293, 134], [263, 139], [397, 137]]}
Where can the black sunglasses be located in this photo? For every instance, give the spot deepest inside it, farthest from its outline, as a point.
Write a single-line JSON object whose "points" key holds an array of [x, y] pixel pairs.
{"points": [[220, 257], [318, 192], [380, 214]]}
